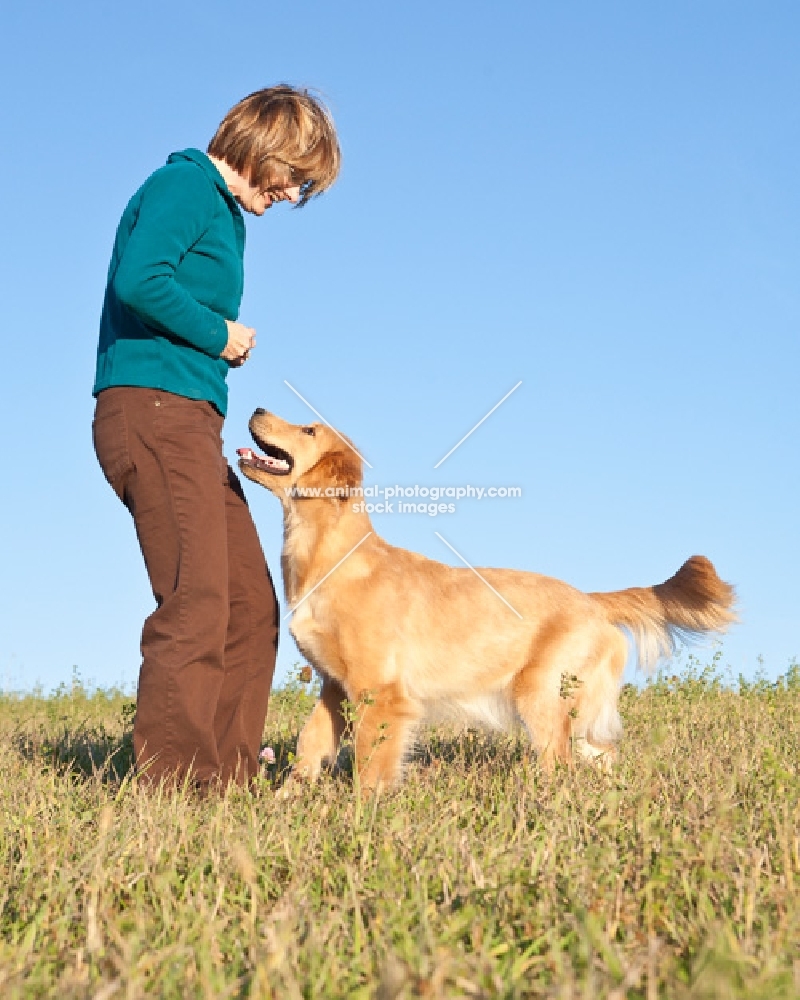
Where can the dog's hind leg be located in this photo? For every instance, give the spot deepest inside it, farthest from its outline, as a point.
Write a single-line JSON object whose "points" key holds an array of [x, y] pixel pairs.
{"points": [[384, 723], [597, 726], [537, 701], [538, 689], [567, 693], [319, 741]]}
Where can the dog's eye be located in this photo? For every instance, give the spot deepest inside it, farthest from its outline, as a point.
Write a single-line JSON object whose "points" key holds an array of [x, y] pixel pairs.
{"points": [[310, 431]]}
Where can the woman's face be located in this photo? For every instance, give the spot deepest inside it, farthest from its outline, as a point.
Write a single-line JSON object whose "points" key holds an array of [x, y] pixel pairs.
{"points": [[256, 201]]}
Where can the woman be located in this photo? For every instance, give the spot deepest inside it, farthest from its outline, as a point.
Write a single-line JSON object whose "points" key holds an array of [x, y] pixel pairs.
{"points": [[168, 335]]}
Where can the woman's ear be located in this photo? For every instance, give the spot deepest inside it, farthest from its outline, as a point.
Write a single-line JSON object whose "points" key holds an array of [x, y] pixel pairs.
{"points": [[337, 471]]}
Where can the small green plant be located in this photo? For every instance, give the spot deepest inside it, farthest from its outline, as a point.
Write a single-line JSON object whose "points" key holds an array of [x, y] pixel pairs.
{"points": [[570, 683], [353, 714]]}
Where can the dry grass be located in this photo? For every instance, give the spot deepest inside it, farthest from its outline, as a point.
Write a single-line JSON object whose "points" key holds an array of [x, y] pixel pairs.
{"points": [[679, 876]]}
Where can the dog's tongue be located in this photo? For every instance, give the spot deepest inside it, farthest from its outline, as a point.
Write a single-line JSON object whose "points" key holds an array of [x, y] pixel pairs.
{"points": [[267, 461]]}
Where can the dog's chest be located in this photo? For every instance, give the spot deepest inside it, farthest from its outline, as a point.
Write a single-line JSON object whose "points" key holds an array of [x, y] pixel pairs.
{"points": [[314, 640]]}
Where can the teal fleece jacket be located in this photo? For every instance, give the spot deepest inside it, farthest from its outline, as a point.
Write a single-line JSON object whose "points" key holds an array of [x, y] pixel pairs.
{"points": [[176, 275]]}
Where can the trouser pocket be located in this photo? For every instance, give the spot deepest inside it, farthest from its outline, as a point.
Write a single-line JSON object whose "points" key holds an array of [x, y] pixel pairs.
{"points": [[110, 436]]}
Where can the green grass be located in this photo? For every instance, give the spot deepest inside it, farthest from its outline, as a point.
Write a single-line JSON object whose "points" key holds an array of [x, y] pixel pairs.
{"points": [[677, 876]]}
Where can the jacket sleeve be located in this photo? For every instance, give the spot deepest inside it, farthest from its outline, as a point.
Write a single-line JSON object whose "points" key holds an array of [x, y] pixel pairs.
{"points": [[176, 209]]}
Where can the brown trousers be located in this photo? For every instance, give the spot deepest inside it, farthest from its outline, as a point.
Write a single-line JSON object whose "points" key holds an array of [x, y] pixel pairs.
{"points": [[208, 649]]}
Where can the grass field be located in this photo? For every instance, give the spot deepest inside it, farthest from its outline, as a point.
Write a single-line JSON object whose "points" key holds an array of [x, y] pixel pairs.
{"points": [[677, 876]]}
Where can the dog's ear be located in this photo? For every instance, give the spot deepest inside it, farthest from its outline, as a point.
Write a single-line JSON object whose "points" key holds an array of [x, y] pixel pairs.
{"points": [[335, 471]]}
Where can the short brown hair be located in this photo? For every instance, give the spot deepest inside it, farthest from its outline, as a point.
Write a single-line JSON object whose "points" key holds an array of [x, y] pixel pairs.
{"points": [[280, 137]]}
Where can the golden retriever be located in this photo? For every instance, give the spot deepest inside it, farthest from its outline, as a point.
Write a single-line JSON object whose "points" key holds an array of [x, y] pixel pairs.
{"points": [[406, 638]]}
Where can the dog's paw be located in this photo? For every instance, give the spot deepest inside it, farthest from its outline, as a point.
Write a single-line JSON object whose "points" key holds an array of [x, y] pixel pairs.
{"points": [[290, 789], [296, 784]]}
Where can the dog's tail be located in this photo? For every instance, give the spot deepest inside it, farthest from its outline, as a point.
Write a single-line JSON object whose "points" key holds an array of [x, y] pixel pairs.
{"points": [[688, 605]]}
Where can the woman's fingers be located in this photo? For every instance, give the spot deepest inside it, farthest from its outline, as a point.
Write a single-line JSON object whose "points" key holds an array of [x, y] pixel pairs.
{"points": [[241, 340]]}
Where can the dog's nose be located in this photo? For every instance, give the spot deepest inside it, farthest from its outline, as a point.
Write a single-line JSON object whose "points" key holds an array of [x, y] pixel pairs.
{"points": [[259, 412]]}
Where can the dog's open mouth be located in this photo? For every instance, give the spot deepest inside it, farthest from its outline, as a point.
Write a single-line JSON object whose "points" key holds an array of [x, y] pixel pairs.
{"points": [[275, 460]]}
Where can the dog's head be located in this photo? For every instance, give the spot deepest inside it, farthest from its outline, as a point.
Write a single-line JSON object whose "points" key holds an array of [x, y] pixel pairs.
{"points": [[299, 461]]}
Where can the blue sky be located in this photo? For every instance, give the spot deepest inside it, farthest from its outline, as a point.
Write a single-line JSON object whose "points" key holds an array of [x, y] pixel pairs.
{"points": [[597, 199]]}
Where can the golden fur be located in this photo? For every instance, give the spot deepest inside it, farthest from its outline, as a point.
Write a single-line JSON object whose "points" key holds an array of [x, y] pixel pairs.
{"points": [[407, 638]]}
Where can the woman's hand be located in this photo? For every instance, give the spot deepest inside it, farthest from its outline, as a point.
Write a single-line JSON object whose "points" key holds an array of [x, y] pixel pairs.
{"points": [[241, 340]]}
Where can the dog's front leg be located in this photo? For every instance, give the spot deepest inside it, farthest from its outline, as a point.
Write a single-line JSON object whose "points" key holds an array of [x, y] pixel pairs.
{"points": [[384, 724], [322, 733]]}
